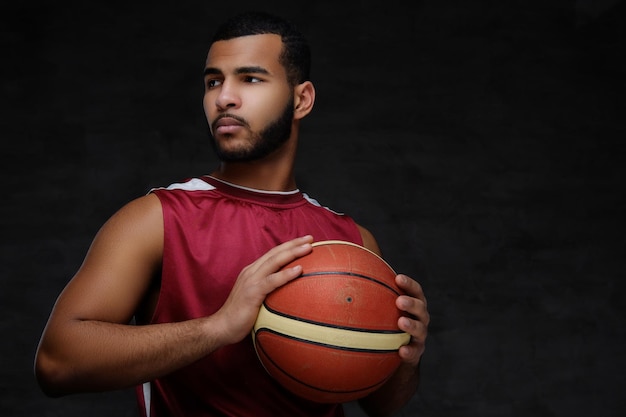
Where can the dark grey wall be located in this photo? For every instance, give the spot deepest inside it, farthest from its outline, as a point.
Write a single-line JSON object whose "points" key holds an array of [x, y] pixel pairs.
{"points": [[482, 143]]}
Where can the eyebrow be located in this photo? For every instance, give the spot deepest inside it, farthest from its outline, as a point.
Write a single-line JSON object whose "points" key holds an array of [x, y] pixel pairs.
{"points": [[240, 70]]}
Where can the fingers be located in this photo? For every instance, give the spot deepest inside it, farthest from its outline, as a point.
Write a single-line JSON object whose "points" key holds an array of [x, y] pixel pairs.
{"points": [[269, 265], [411, 287], [417, 319]]}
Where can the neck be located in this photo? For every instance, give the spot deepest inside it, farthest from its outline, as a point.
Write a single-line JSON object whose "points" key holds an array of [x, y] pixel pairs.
{"points": [[249, 175], [272, 173], [275, 172]]}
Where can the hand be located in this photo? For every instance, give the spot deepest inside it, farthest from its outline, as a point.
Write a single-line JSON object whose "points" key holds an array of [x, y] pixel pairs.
{"points": [[399, 389], [255, 281], [416, 324]]}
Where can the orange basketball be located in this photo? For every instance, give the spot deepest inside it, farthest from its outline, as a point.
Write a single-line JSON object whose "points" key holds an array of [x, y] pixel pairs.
{"points": [[331, 335]]}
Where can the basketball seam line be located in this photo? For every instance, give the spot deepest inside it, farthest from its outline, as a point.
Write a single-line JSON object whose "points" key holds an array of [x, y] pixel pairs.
{"points": [[350, 274], [315, 387]]}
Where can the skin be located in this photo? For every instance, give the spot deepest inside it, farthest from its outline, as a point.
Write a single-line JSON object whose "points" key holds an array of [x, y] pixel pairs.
{"points": [[88, 344]]}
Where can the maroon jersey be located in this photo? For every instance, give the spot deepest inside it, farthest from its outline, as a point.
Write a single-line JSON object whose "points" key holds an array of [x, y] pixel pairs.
{"points": [[212, 231]]}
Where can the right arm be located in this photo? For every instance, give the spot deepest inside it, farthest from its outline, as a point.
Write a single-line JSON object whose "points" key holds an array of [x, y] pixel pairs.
{"points": [[88, 345]]}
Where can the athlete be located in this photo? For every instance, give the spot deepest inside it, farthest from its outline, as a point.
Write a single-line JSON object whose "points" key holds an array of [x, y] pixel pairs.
{"points": [[169, 290]]}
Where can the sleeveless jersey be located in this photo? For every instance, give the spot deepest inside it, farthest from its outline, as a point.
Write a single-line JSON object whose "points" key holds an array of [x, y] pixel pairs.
{"points": [[212, 230]]}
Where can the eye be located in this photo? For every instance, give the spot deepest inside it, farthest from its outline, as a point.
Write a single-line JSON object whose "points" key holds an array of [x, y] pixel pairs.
{"points": [[252, 79], [212, 83]]}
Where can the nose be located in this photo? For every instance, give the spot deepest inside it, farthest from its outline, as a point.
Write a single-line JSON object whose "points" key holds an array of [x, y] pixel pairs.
{"points": [[227, 97]]}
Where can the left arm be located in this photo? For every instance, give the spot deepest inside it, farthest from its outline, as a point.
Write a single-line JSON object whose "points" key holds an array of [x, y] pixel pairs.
{"points": [[399, 389]]}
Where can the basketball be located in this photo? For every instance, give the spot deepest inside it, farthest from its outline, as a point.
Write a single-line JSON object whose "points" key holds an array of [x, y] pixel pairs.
{"points": [[331, 335]]}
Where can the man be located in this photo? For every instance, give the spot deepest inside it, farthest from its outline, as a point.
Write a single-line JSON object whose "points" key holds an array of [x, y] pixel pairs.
{"points": [[191, 264]]}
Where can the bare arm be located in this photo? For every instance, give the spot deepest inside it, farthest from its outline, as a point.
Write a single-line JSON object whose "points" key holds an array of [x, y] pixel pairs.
{"points": [[88, 344], [399, 389]]}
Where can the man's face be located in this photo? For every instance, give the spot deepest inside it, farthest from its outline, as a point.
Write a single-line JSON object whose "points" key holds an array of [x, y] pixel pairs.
{"points": [[247, 101]]}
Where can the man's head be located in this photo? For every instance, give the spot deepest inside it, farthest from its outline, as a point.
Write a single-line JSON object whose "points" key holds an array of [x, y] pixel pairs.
{"points": [[256, 87], [296, 53]]}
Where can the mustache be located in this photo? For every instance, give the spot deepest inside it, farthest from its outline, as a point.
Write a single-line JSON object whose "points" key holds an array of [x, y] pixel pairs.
{"points": [[230, 116]]}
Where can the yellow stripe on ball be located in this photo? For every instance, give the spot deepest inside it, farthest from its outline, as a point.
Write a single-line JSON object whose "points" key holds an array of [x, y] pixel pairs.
{"points": [[326, 335]]}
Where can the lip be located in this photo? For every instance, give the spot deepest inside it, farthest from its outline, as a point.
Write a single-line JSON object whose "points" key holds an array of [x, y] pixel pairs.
{"points": [[227, 125], [227, 121]]}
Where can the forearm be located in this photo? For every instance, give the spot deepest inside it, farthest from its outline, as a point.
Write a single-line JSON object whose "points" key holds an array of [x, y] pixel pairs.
{"points": [[394, 394], [91, 355]]}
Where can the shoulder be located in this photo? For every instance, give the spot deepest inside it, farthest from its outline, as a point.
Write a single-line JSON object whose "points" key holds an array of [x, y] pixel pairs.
{"points": [[146, 208], [138, 223], [369, 241]]}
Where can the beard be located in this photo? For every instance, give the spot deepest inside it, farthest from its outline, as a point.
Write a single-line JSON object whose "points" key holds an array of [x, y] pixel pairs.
{"points": [[261, 144]]}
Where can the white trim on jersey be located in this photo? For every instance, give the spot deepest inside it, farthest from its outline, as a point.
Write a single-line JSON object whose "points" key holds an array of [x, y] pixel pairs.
{"points": [[194, 184], [257, 191], [147, 397], [316, 203]]}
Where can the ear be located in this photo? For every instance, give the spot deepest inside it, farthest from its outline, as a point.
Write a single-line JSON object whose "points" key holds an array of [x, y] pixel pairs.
{"points": [[304, 98]]}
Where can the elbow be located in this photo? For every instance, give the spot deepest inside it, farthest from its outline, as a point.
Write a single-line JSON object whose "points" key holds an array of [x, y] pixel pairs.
{"points": [[51, 375]]}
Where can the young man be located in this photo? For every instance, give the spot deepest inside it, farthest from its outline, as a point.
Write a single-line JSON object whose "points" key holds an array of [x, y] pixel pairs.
{"points": [[192, 263]]}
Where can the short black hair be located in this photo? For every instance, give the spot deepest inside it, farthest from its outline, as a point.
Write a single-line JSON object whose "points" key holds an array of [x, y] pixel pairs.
{"points": [[296, 52]]}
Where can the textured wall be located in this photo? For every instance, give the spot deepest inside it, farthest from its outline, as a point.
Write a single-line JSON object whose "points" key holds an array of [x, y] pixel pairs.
{"points": [[482, 143]]}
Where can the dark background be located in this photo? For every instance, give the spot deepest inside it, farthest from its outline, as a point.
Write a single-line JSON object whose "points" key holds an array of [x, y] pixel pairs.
{"points": [[481, 142]]}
